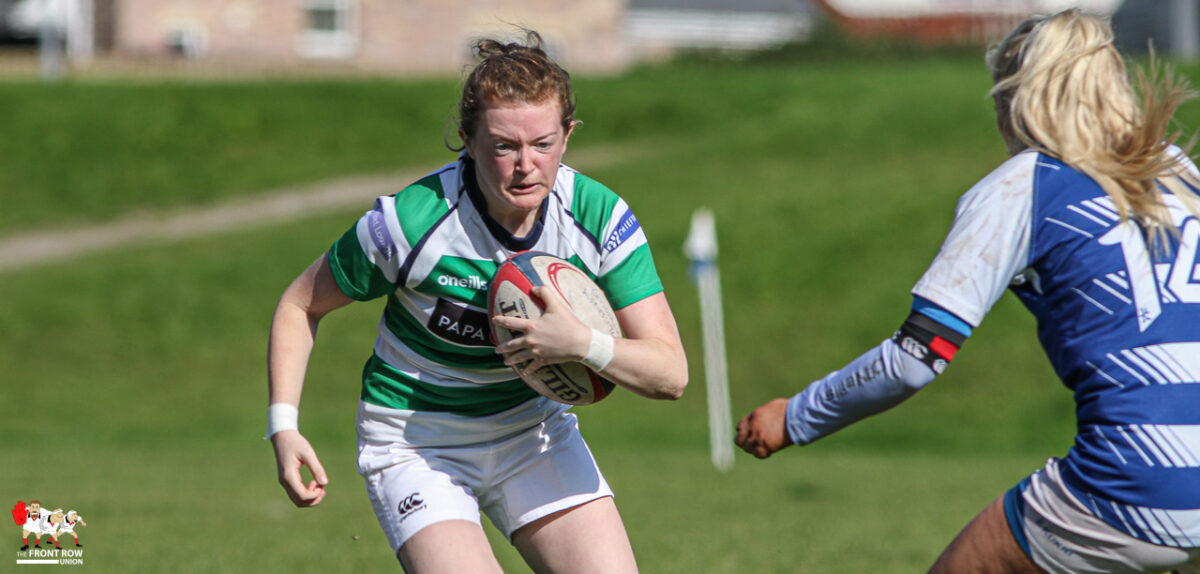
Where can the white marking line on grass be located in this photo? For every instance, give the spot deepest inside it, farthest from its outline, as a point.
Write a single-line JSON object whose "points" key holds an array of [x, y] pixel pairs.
{"points": [[268, 208], [276, 206]]}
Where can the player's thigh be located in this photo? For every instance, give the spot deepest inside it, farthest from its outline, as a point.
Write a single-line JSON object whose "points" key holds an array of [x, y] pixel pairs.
{"points": [[418, 490], [1065, 536], [450, 546], [539, 473], [589, 538], [985, 546]]}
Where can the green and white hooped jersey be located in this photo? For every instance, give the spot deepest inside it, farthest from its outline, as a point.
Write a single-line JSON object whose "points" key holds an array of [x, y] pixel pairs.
{"points": [[432, 249]]}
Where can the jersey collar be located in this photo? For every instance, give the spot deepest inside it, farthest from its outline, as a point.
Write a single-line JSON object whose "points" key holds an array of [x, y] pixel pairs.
{"points": [[508, 240]]}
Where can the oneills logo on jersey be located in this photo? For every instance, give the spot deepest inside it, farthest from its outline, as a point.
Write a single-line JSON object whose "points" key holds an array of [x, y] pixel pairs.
{"points": [[625, 229], [458, 324], [469, 282], [42, 532]]}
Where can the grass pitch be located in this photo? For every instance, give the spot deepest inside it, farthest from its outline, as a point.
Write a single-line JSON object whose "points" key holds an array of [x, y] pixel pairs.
{"points": [[135, 379]]}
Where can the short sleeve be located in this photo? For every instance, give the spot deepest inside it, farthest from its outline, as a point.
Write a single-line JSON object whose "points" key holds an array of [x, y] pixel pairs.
{"points": [[364, 260], [632, 280], [988, 243], [627, 270]]}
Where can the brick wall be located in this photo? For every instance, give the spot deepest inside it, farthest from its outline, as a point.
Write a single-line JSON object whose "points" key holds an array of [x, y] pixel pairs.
{"points": [[387, 36]]}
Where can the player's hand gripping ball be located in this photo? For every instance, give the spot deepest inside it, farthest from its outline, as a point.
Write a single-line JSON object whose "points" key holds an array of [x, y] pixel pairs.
{"points": [[509, 294]]}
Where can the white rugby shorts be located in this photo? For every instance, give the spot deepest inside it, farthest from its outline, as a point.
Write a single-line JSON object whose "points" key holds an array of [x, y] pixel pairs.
{"points": [[515, 480], [1062, 536]]}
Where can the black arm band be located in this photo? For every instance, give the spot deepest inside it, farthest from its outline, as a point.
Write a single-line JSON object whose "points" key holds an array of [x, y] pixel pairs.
{"points": [[928, 341]]}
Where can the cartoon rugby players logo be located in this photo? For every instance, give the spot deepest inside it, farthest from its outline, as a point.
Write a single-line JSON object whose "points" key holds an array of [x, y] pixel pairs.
{"points": [[38, 522]]}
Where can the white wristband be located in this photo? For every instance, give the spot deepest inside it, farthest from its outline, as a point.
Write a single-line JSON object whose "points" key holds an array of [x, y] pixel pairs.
{"points": [[600, 351], [281, 417]]}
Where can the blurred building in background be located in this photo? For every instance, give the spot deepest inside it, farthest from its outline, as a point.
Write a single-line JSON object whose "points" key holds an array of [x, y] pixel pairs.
{"points": [[432, 37], [388, 36], [385, 36], [1171, 26], [946, 21], [371, 36], [656, 29]]}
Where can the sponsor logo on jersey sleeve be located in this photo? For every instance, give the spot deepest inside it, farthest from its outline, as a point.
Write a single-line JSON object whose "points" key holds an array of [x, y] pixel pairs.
{"points": [[380, 236], [626, 227]]}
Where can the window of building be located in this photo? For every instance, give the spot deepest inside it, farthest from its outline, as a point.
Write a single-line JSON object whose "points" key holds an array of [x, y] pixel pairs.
{"points": [[331, 29]]}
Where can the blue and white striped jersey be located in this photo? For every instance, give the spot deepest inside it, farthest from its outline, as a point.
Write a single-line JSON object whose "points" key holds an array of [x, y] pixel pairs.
{"points": [[1119, 321]]}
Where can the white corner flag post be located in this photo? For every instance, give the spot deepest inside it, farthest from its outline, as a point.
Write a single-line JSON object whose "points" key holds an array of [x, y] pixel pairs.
{"points": [[701, 248]]}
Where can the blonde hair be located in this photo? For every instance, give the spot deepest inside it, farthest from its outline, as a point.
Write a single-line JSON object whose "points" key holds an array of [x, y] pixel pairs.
{"points": [[1067, 94]]}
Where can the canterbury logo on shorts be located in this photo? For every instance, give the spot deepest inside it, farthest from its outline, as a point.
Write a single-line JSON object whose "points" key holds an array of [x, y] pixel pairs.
{"points": [[410, 504]]}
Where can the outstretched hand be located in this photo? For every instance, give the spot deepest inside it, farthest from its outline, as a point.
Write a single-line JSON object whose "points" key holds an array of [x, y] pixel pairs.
{"points": [[293, 451], [557, 336], [763, 432], [19, 513]]}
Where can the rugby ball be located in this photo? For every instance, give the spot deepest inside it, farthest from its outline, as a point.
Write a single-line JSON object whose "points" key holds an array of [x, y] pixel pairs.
{"points": [[509, 294]]}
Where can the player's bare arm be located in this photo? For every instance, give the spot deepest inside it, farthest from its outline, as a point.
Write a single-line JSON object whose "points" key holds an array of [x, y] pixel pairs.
{"points": [[649, 360], [293, 331]]}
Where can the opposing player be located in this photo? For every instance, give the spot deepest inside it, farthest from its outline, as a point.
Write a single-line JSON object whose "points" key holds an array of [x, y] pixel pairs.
{"points": [[35, 519], [1093, 225], [445, 426]]}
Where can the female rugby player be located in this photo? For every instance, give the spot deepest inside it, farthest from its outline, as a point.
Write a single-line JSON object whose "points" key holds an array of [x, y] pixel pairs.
{"points": [[445, 427], [1092, 223]]}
